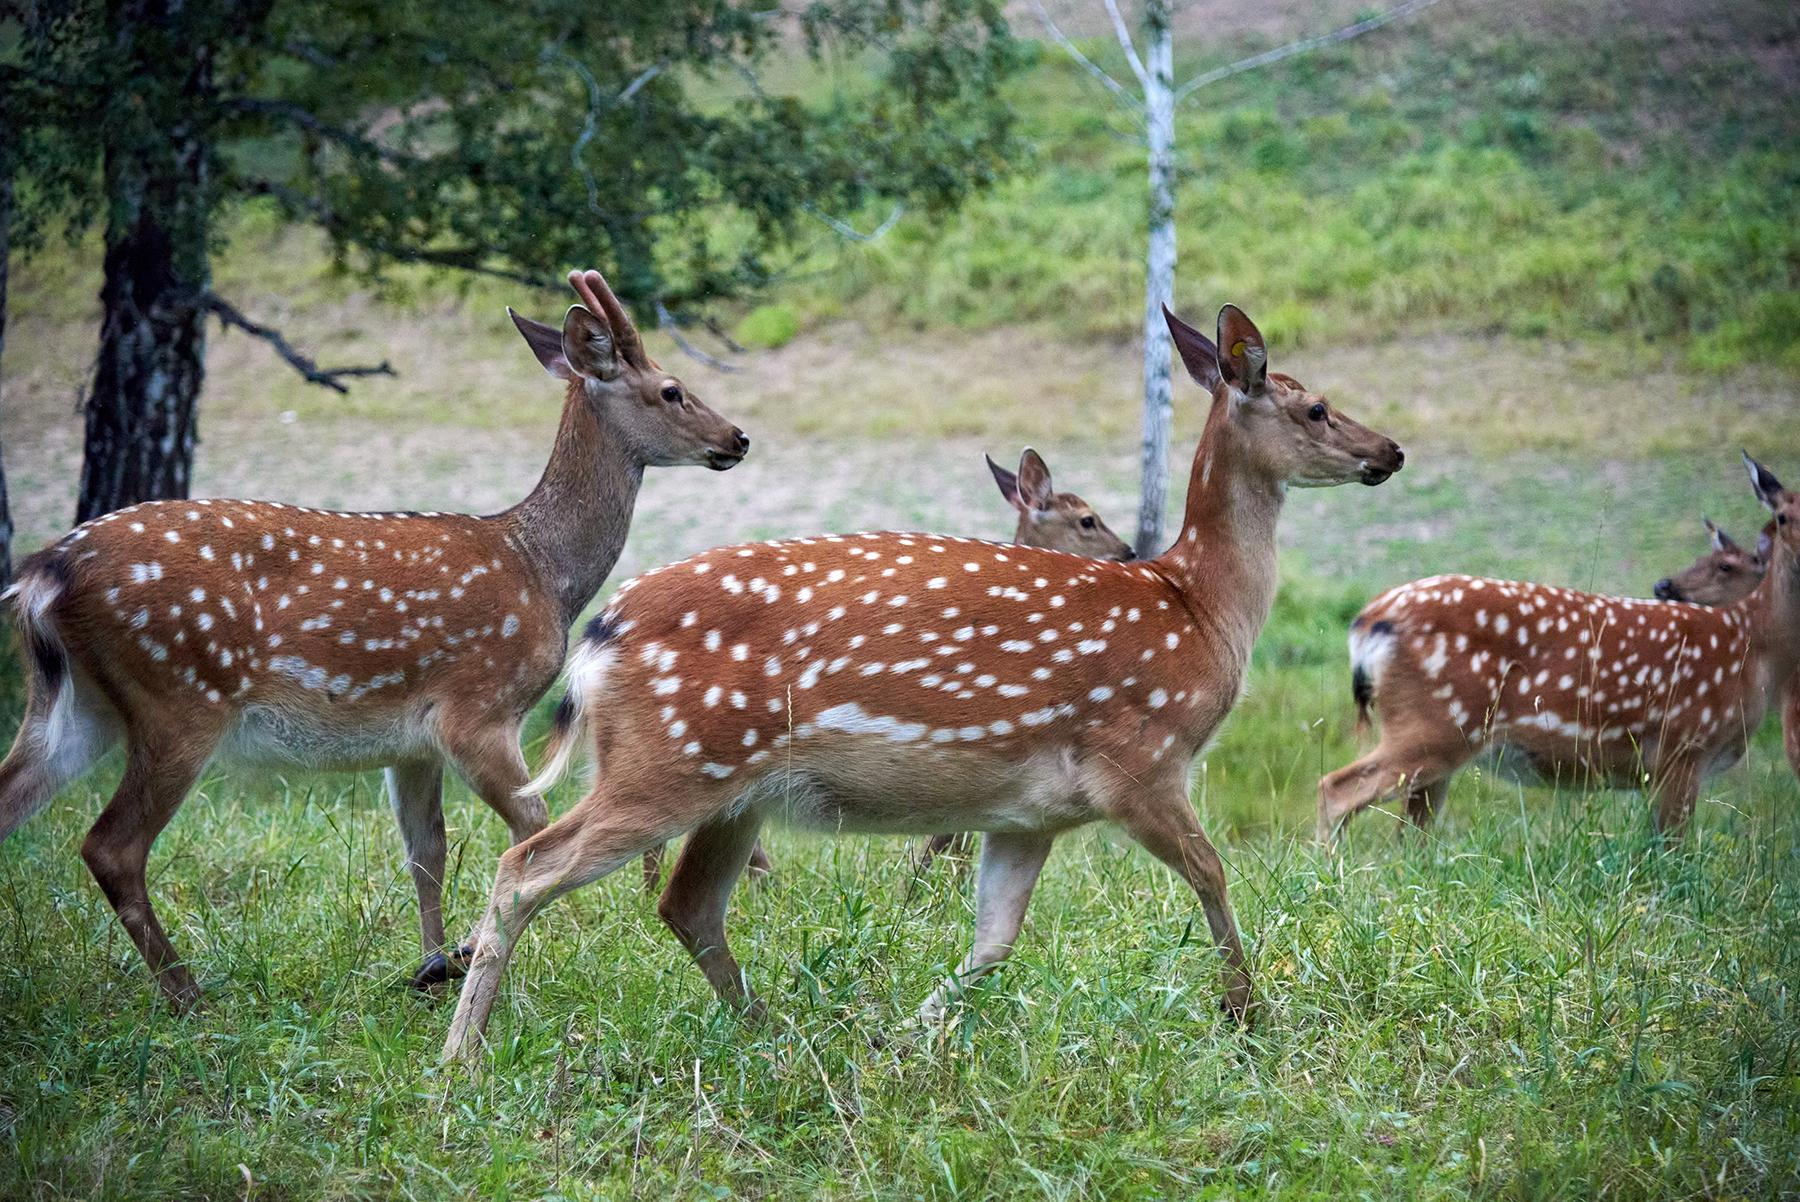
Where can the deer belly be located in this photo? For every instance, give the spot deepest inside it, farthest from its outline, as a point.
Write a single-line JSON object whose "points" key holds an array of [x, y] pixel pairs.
{"points": [[920, 791], [364, 737]]}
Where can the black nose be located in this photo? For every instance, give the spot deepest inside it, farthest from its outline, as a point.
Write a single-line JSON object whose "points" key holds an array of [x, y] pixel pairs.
{"points": [[1664, 590], [743, 441], [1399, 455], [1128, 556]]}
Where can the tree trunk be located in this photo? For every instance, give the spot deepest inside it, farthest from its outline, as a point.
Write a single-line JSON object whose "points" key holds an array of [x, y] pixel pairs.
{"points": [[140, 414], [6, 204], [1159, 281]]}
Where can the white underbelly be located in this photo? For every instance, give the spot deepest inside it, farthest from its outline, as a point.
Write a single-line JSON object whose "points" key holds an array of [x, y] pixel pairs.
{"points": [[267, 737]]}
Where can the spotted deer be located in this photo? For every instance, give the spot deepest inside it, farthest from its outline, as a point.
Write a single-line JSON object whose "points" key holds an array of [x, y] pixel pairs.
{"points": [[915, 683], [1060, 521], [287, 636], [1658, 694], [1723, 576]]}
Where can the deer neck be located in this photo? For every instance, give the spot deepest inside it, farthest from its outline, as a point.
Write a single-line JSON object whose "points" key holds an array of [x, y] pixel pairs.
{"points": [[1223, 560], [573, 524], [1773, 614]]}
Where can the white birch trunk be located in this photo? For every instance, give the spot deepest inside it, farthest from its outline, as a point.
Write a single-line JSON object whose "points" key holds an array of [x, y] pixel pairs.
{"points": [[1159, 282]]}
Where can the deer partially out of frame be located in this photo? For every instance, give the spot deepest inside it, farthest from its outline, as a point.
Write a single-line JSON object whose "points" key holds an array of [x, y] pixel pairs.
{"points": [[1631, 692], [914, 683], [1059, 521], [1723, 576], [289, 636]]}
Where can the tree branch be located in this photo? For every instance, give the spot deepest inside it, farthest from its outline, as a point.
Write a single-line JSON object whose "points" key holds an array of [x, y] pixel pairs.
{"points": [[1112, 85], [311, 372], [1300, 47], [1131, 54], [845, 230], [287, 110], [665, 320]]}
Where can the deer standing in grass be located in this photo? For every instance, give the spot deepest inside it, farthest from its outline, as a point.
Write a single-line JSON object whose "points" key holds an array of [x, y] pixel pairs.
{"points": [[1060, 521], [298, 638], [915, 683], [1653, 693], [1723, 576]]}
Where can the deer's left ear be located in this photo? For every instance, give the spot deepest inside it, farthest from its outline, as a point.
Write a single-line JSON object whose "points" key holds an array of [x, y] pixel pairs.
{"points": [[1721, 541], [1763, 482], [1243, 355], [1034, 481]]}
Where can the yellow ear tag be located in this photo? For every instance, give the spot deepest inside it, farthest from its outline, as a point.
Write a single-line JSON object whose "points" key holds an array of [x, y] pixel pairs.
{"points": [[1237, 348]]}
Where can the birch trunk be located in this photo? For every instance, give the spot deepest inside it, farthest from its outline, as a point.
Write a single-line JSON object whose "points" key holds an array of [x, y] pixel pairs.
{"points": [[6, 204], [1159, 281]]}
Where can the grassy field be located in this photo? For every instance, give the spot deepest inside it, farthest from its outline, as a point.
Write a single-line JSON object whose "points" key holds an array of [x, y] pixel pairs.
{"points": [[1550, 246]]}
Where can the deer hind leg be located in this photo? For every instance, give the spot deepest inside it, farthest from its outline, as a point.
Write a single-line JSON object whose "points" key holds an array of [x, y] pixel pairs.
{"points": [[961, 842], [157, 779], [760, 868], [1418, 767], [600, 834], [63, 732], [1676, 788], [693, 905], [1010, 864], [1165, 825]]}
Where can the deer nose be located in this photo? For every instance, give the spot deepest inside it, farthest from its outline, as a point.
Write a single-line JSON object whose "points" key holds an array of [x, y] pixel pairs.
{"points": [[742, 440], [1664, 590], [1399, 455]]}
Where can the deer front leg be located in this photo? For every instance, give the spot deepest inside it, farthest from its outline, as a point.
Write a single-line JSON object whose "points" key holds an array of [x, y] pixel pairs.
{"points": [[1163, 822], [1010, 864], [1677, 786], [694, 903], [416, 791]]}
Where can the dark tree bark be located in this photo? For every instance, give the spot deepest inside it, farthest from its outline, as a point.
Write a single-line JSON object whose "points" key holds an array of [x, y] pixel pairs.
{"points": [[141, 428], [6, 524]]}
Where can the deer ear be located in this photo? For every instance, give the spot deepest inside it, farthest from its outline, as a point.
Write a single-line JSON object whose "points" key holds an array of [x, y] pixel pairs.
{"points": [[1765, 542], [1767, 488], [545, 343], [1034, 481], [1243, 355], [588, 345], [1009, 483], [1721, 541], [1198, 354]]}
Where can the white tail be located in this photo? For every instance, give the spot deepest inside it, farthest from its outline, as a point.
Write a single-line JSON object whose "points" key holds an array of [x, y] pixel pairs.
{"points": [[920, 683], [276, 633], [1609, 688]]}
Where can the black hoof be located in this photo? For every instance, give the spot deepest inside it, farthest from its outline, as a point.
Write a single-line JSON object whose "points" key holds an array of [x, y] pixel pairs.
{"points": [[433, 973]]}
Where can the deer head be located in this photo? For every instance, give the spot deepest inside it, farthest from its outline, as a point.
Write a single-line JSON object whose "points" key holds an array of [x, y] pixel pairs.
{"points": [[1284, 432], [1060, 521], [598, 351], [1724, 575]]}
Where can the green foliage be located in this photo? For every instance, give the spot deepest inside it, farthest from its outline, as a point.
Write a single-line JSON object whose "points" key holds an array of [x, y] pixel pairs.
{"points": [[768, 326], [523, 139]]}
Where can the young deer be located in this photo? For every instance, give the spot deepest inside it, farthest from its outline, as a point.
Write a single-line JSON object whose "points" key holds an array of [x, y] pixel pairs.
{"points": [[1723, 576], [1627, 691], [295, 637], [914, 683], [1060, 521]]}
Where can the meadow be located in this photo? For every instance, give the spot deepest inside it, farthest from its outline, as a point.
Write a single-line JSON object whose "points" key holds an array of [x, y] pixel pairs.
{"points": [[1555, 257]]}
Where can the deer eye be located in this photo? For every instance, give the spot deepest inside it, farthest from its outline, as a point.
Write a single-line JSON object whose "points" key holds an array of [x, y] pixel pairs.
{"points": [[1088, 522], [1317, 412], [671, 393], [1727, 568]]}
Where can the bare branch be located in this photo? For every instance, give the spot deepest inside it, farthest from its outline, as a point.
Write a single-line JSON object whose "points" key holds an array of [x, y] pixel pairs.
{"points": [[665, 320], [287, 110], [311, 372], [645, 76], [1300, 47], [1112, 85], [1131, 55], [846, 230]]}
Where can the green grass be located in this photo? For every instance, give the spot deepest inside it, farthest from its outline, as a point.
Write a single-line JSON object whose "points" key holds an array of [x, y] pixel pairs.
{"points": [[1532, 1001]]}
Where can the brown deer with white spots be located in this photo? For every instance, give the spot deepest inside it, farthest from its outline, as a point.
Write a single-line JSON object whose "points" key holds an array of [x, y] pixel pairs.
{"points": [[1657, 694], [1723, 576], [916, 683], [1060, 521], [293, 637]]}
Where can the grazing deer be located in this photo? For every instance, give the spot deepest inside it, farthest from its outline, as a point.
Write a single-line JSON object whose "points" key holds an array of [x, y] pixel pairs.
{"points": [[1632, 692], [914, 683], [1060, 521], [1723, 576], [288, 636]]}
